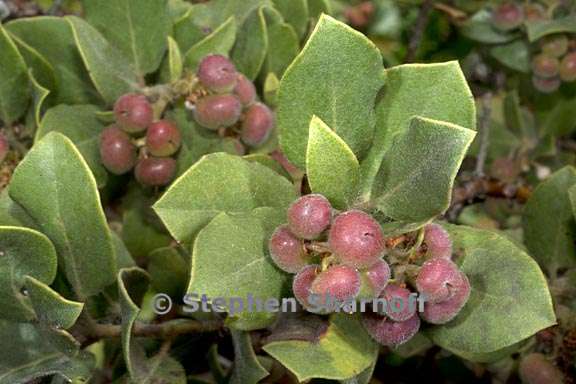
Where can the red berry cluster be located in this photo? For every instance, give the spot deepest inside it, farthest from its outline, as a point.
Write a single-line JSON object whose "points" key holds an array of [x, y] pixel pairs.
{"points": [[121, 147], [555, 61], [340, 255], [230, 103]]}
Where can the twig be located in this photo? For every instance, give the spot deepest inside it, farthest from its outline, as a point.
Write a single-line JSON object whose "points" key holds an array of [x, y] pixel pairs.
{"points": [[484, 130], [418, 31], [166, 330]]}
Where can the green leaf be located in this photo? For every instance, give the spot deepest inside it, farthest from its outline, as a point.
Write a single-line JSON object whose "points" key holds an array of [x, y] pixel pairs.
{"points": [[479, 28], [295, 12], [509, 300], [418, 173], [12, 214], [435, 91], [251, 44], [247, 369], [123, 256], [186, 32], [230, 259], [50, 307], [220, 42], [560, 120], [139, 234], [168, 270], [39, 96], [318, 7], [214, 13], [336, 77], [111, 73], [514, 55], [538, 29], [81, 125], [548, 222], [344, 351], [283, 47], [52, 38], [220, 183], [42, 70], [14, 86], [164, 369], [331, 166], [138, 28], [173, 67], [132, 285], [26, 355], [67, 211], [24, 252], [572, 196]]}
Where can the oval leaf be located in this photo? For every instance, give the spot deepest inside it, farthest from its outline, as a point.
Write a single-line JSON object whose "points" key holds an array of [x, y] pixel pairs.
{"points": [[336, 77], [56, 187], [14, 85], [220, 183], [509, 300], [111, 73], [138, 28], [251, 44], [331, 166], [24, 252], [219, 42]]}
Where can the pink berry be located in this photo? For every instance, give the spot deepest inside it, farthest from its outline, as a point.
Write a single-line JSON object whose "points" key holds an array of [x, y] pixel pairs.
{"points": [[218, 111], [163, 138], [376, 278], [338, 282], [117, 152], [257, 124], [133, 112], [545, 66], [568, 67], [388, 332], [439, 279], [302, 284], [309, 216], [287, 250], [400, 302], [437, 241], [507, 16], [443, 312], [155, 171], [217, 73], [245, 90], [546, 85], [356, 239], [535, 368]]}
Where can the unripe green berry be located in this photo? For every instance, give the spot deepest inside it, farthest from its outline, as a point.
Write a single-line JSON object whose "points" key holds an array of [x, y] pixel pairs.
{"points": [[568, 67], [133, 112], [555, 46], [287, 250], [117, 152], [217, 111], [388, 332], [155, 171], [545, 66], [535, 368], [257, 124], [507, 16], [163, 138], [309, 216], [356, 239], [217, 73], [546, 85], [245, 91]]}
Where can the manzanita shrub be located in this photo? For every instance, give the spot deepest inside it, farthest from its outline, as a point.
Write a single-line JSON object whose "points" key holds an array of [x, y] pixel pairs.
{"points": [[193, 100]]}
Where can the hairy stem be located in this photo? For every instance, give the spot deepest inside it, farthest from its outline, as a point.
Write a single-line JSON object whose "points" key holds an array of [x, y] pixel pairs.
{"points": [[166, 330]]}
